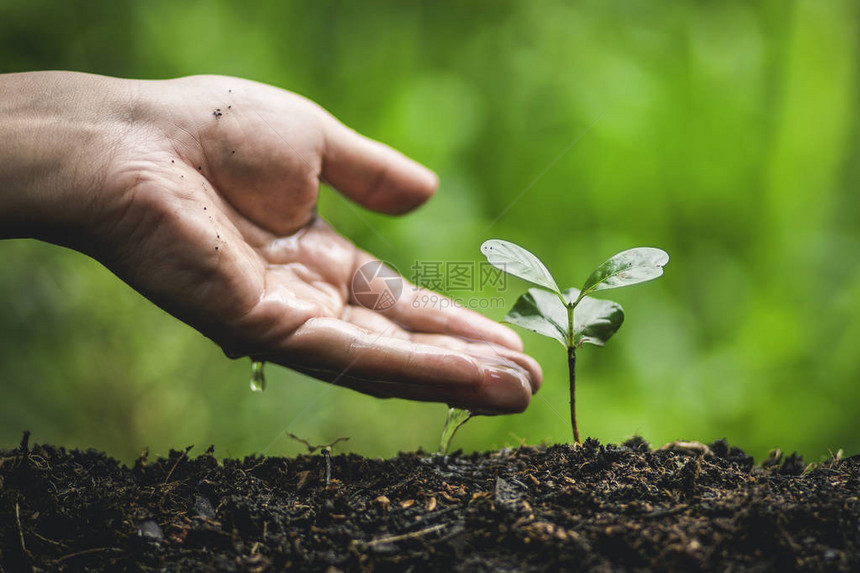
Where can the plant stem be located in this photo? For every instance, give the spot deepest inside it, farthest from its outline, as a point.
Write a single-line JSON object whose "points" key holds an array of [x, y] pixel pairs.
{"points": [[571, 366]]}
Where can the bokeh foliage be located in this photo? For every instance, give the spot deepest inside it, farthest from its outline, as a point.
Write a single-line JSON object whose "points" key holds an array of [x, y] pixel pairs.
{"points": [[722, 132]]}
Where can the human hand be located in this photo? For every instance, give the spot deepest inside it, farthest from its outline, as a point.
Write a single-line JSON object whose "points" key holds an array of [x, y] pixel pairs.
{"points": [[201, 194]]}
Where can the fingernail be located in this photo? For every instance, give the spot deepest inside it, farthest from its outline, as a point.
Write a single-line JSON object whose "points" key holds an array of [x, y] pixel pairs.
{"points": [[532, 371], [506, 389]]}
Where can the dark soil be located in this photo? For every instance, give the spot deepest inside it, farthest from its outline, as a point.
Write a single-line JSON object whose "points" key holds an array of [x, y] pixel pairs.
{"points": [[591, 508]]}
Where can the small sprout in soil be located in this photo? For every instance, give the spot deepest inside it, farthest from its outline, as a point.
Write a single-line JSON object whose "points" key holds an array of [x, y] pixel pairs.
{"points": [[258, 377], [456, 419], [312, 448], [571, 316], [325, 450]]}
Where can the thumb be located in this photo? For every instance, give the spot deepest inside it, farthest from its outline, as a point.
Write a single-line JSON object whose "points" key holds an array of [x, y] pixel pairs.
{"points": [[372, 174]]}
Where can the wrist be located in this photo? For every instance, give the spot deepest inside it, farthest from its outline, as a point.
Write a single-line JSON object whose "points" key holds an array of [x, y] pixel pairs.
{"points": [[58, 132]]}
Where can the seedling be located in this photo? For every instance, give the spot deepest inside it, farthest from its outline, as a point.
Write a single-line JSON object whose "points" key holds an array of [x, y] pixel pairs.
{"points": [[572, 317], [325, 449], [322, 447]]}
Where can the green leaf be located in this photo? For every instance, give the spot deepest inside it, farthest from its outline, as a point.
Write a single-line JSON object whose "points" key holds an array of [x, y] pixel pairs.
{"points": [[542, 312], [627, 268], [594, 320], [517, 261]]}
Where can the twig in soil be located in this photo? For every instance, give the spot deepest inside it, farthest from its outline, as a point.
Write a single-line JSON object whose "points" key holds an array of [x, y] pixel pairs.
{"points": [[411, 535], [170, 473], [45, 539], [85, 552], [20, 531], [658, 513], [401, 483]]}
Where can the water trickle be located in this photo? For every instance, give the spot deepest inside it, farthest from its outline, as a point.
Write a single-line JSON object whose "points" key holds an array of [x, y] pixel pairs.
{"points": [[456, 418], [258, 377]]}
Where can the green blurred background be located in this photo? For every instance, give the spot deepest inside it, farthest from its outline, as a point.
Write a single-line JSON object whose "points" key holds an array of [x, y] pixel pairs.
{"points": [[723, 132]]}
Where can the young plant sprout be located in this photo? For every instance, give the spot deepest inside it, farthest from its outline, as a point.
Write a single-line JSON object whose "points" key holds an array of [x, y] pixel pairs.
{"points": [[571, 316], [324, 448]]}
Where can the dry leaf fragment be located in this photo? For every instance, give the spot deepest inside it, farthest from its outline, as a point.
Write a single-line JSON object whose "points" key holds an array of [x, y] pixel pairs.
{"points": [[383, 502], [303, 479]]}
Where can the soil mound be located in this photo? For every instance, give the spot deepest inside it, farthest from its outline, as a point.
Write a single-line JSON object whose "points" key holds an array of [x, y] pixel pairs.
{"points": [[592, 508]]}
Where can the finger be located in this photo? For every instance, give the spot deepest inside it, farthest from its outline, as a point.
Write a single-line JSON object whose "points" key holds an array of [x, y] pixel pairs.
{"points": [[375, 322], [340, 352], [373, 174], [492, 353], [383, 389], [421, 310]]}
